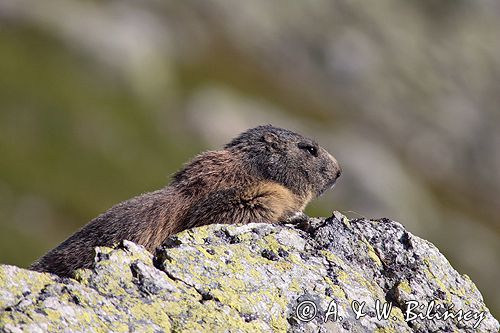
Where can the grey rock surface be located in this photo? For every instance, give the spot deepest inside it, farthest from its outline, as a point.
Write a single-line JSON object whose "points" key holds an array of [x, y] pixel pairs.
{"points": [[255, 278]]}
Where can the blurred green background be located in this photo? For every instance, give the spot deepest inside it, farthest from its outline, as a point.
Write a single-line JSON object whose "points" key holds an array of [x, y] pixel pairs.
{"points": [[103, 100]]}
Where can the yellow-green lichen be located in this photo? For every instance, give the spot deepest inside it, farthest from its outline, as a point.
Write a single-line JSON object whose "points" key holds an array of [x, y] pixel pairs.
{"points": [[198, 235], [153, 312], [208, 317], [53, 315], [294, 286], [371, 253], [270, 242], [343, 276], [82, 275], [284, 266], [396, 315], [336, 289], [245, 237], [405, 287], [432, 277], [16, 280], [332, 258]]}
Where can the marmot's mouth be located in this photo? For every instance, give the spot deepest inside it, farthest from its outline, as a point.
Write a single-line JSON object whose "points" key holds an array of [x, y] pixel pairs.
{"points": [[328, 186], [331, 183]]}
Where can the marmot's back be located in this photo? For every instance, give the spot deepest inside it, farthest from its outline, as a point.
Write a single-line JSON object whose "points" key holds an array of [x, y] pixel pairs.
{"points": [[266, 174]]}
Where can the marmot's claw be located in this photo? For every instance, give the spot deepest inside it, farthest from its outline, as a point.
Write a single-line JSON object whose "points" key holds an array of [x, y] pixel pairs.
{"points": [[300, 221], [303, 222], [297, 218]]}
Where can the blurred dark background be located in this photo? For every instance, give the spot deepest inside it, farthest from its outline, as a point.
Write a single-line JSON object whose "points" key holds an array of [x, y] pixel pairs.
{"points": [[103, 100]]}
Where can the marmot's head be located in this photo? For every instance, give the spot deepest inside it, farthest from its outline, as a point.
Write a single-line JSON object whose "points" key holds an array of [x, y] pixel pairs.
{"points": [[288, 158]]}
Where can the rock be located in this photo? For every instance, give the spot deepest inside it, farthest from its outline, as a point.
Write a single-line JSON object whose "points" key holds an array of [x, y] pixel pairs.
{"points": [[254, 278]]}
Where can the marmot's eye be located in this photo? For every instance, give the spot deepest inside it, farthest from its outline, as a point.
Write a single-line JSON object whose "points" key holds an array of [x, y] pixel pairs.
{"points": [[309, 148]]}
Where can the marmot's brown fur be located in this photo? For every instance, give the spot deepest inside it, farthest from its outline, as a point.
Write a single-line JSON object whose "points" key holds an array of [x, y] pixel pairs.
{"points": [[266, 174]]}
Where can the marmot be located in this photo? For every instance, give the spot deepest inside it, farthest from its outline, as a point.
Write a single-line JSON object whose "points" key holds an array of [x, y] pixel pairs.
{"points": [[266, 174]]}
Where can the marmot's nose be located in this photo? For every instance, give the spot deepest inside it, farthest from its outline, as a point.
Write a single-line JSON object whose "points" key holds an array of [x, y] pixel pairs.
{"points": [[337, 170]]}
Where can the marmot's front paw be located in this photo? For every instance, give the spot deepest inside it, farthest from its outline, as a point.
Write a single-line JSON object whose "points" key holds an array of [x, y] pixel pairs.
{"points": [[303, 222], [297, 218]]}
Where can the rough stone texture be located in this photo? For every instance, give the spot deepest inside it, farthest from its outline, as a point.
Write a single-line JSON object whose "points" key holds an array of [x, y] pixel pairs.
{"points": [[250, 278]]}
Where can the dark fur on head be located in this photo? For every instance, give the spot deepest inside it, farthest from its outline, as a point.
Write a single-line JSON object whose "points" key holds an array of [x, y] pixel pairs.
{"points": [[288, 158]]}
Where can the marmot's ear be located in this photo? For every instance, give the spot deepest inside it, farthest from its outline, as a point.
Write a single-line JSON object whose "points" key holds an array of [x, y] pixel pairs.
{"points": [[271, 140], [269, 137]]}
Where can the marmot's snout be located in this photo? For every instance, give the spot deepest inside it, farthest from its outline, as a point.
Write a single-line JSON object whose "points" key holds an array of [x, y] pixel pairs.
{"points": [[330, 171], [336, 167]]}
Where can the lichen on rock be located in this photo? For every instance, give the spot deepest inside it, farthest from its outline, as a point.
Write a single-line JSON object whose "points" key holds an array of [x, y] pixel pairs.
{"points": [[253, 278]]}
